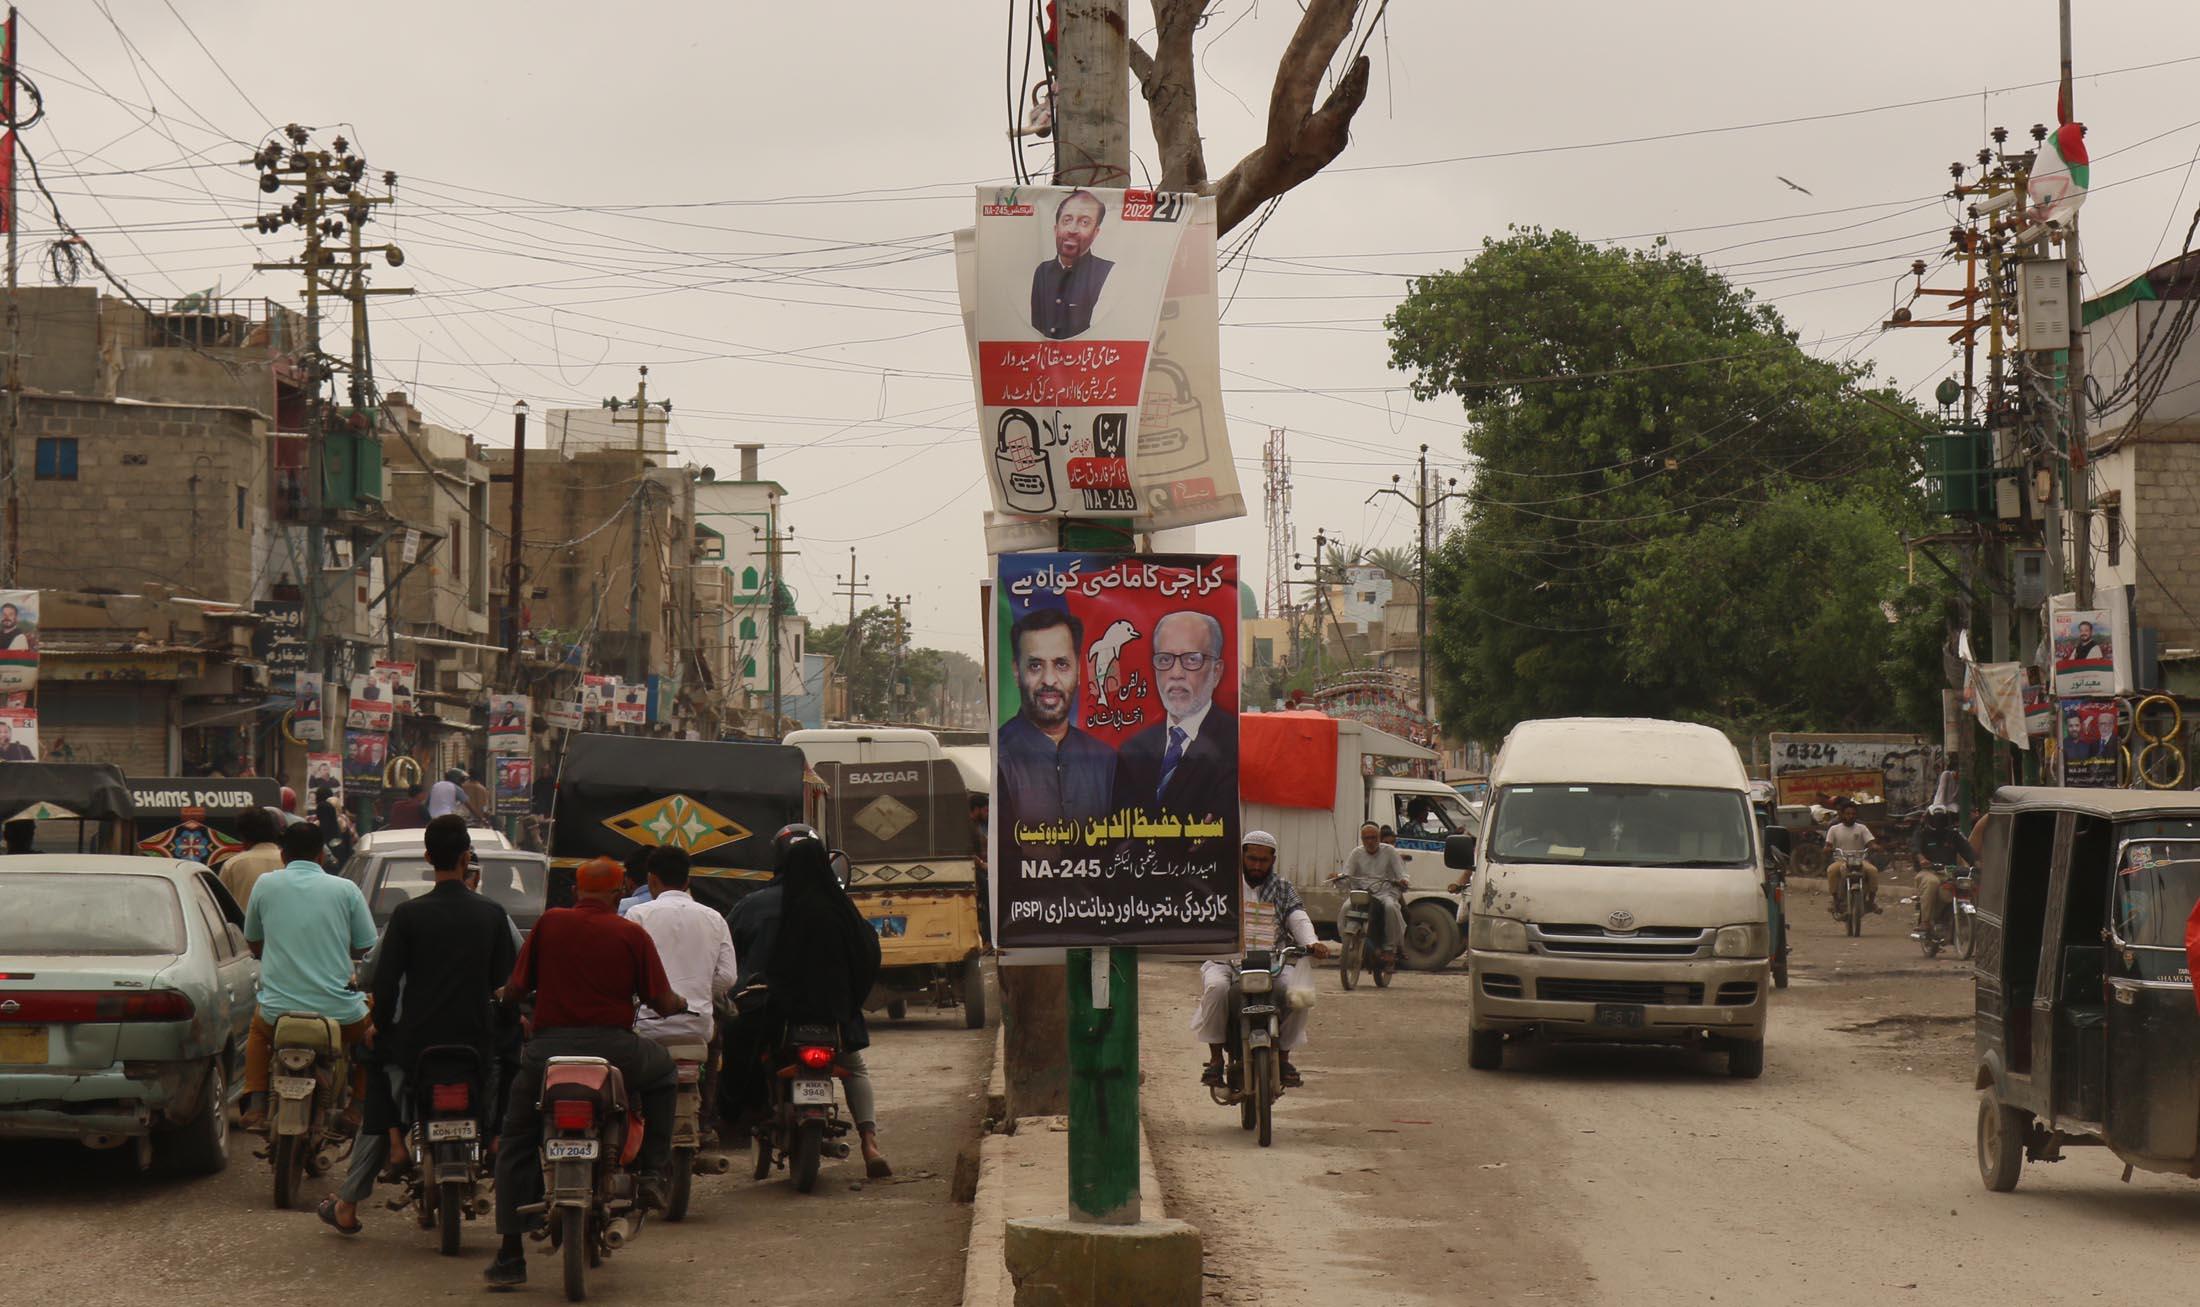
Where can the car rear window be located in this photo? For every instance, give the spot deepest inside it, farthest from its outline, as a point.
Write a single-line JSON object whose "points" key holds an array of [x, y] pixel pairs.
{"points": [[517, 884], [89, 913]]}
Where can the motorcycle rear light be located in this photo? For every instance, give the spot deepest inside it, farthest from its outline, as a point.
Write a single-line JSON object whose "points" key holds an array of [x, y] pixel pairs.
{"points": [[452, 1098], [61, 1006], [816, 1059], [573, 1114]]}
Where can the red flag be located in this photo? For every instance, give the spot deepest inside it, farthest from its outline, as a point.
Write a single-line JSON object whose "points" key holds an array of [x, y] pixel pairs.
{"points": [[7, 111]]}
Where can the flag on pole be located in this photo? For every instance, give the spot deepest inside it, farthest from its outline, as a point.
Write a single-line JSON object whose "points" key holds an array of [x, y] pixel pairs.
{"points": [[2060, 176], [7, 112]]}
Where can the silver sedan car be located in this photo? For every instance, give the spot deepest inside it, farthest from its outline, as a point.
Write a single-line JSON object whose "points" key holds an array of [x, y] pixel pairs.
{"points": [[126, 994]]}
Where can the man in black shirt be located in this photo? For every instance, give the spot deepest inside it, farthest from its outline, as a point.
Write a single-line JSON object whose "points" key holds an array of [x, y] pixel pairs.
{"points": [[1066, 288], [435, 973]]}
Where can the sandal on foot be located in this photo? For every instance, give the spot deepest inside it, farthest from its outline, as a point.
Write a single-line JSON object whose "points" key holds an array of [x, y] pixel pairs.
{"points": [[1291, 1079], [327, 1212], [1211, 1075]]}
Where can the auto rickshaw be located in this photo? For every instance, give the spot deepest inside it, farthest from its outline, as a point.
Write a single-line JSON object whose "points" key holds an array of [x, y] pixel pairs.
{"points": [[2087, 1032]]}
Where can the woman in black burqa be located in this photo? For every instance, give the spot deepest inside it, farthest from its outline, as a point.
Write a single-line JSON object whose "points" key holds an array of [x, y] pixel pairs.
{"points": [[823, 960]]}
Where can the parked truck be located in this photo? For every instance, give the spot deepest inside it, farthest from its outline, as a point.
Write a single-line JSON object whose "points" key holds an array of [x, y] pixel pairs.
{"points": [[1312, 780]]}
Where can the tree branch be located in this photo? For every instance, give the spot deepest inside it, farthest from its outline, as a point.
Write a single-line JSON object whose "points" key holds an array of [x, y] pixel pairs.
{"points": [[1169, 82], [1301, 140]]}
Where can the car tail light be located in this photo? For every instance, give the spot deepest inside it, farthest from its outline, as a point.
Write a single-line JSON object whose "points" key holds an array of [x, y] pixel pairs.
{"points": [[816, 1058], [573, 1114], [61, 1006], [451, 1098]]}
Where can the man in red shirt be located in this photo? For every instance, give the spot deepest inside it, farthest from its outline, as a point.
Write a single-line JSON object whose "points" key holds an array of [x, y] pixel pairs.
{"points": [[586, 967]]}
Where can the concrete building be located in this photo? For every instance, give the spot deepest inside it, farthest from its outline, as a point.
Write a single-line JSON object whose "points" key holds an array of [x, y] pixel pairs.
{"points": [[735, 521]]}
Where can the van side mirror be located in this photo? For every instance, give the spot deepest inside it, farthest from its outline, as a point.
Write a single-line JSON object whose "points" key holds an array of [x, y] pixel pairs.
{"points": [[1779, 839], [1459, 852]]}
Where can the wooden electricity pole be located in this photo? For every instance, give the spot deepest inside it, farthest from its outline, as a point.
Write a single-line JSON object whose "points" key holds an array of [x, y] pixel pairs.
{"points": [[637, 667]]}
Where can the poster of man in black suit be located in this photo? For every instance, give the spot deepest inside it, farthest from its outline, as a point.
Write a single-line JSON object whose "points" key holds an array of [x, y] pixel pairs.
{"points": [[1184, 766], [1066, 288]]}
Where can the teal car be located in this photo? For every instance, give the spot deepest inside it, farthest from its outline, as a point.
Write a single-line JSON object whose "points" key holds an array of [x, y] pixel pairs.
{"points": [[126, 995]]}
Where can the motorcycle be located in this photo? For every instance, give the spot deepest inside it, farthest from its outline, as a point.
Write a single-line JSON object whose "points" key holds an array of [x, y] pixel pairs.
{"points": [[1854, 879], [1252, 1080], [309, 1086], [589, 1143], [1354, 925], [1961, 932], [805, 1125], [447, 1087], [687, 1135]]}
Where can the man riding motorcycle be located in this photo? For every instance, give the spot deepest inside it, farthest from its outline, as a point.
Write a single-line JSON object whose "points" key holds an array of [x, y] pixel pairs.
{"points": [[587, 968], [1848, 835], [307, 928], [1378, 864], [1938, 844], [1257, 865]]}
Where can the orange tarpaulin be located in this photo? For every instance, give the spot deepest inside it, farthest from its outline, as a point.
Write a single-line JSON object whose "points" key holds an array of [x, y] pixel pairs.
{"points": [[1288, 759]]}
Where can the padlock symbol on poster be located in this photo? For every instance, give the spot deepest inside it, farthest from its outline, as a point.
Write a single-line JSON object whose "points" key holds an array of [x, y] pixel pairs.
{"points": [[1025, 473]]}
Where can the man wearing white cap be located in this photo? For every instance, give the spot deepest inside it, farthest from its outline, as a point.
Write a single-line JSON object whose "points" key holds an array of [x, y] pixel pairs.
{"points": [[1257, 864]]}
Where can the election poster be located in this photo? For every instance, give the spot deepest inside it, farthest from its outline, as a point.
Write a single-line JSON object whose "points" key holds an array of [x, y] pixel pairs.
{"points": [[279, 641], [2091, 751], [564, 714], [1068, 292], [324, 771], [1115, 794], [372, 708], [2085, 652], [515, 785], [630, 704], [508, 715], [18, 735], [597, 692], [398, 679], [18, 640], [305, 714], [365, 752]]}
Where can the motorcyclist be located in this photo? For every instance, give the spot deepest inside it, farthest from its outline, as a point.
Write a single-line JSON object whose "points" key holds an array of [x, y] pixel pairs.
{"points": [[587, 967], [1384, 872], [1848, 835], [1938, 844], [307, 928], [1257, 866]]}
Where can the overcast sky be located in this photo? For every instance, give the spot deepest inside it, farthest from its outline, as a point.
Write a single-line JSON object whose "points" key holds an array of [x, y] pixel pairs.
{"points": [[756, 202]]}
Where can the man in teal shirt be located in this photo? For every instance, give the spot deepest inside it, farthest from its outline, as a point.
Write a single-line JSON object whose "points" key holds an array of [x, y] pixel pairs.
{"points": [[307, 928]]}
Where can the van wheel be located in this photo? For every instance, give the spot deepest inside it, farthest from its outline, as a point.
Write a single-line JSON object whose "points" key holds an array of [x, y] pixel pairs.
{"points": [[973, 991], [1432, 936], [1485, 1049], [2001, 1132], [1746, 1061]]}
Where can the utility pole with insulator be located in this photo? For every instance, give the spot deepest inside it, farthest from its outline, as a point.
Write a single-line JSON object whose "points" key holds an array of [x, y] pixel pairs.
{"points": [[775, 551], [515, 572], [637, 666], [853, 587], [1425, 500]]}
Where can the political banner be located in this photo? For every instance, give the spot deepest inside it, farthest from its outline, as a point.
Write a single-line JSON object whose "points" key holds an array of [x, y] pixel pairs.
{"points": [[597, 692], [1068, 294], [564, 714], [324, 770], [515, 785], [2085, 652], [18, 735], [371, 708], [306, 711], [1115, 794], [2091, 752], [630, 706], [400, 680], [508, 715], [18, 640], [365, 753], [279, 641]]}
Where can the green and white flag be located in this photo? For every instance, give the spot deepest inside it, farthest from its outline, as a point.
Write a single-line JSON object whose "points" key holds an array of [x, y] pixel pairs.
{"points": [[2060, 175]]}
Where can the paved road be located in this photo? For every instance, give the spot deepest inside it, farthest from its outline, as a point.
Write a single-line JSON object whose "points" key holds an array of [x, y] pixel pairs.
{"points": [[83, 1228], [1604, 1175]]}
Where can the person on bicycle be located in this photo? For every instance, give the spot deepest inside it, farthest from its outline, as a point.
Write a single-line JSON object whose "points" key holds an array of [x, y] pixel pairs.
{"points": [[1938, 844], [1210, 1020], [1848, 835]]}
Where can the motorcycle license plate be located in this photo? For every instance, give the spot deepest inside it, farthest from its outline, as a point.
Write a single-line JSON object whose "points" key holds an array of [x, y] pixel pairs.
{"points": [[439, 1131], [1619, 1016], [294, 1086], [812, 1092], [1256, 1039], [569, 1150]]}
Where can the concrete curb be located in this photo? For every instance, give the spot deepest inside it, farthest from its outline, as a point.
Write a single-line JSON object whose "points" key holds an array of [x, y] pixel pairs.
{"points": [[1024, 1175]]}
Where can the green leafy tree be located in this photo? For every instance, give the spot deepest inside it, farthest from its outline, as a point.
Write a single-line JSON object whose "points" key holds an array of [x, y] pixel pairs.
{"points": [[873, 693], [1676, 509]]}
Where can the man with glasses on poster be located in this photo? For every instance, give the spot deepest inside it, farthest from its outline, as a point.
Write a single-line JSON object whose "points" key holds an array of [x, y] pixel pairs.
{"points": [[1185, 765]]}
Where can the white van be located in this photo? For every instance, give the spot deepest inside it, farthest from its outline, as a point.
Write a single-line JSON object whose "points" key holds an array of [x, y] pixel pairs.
{"points": [[1619, 893]]}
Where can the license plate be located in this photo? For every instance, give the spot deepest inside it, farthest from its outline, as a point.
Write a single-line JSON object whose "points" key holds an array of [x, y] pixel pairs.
{"points": [[810, 1092], [294, 1086], [1619, 1016], [23, 1045], [568, 1150], [438, 1131]]}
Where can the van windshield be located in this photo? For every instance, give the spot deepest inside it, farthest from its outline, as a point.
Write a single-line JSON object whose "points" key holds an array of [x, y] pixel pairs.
{"points": [[2157, 883], [1622, 825]]}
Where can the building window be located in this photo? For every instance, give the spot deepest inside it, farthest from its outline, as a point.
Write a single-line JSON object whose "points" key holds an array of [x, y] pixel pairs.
{"points": [[748, 628], [2112, 516], [748, 578], [748, 669], [56, 458]]}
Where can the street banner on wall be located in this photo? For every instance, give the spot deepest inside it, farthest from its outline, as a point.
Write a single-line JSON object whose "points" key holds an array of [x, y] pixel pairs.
{"points": [[515, 785], [371, 707], [2090, 749], [563, 714], [279, 641], [306, 714], [1115, 812], [18, 640], [1181, 469], [324, 769], [2085, 652], [365, 752], [630, 704], [400, 680], [508, 714], [18, 735], [597, 692]]}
